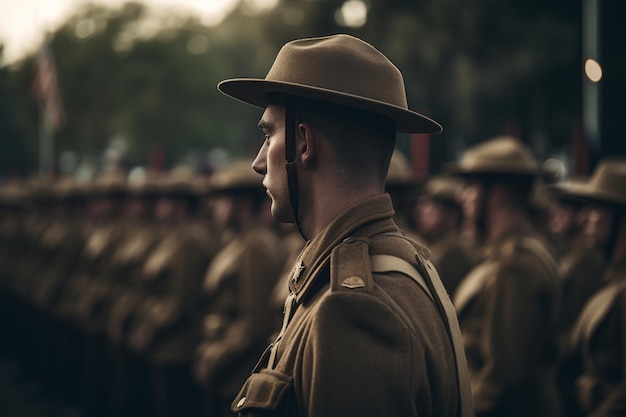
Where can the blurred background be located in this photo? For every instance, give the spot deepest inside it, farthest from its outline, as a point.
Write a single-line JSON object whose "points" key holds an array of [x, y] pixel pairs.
{"points": [[86, 84]]}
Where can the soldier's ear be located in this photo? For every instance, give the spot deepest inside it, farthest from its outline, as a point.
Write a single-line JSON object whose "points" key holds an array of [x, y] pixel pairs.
{"points": [[307, 144]]}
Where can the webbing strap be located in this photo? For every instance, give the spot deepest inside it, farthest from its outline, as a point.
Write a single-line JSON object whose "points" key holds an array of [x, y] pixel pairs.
{"points": [[428, 278], [389, 263]]}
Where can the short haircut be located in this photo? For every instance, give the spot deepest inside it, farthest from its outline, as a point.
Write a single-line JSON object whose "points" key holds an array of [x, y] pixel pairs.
{"points": [[363, 141]]}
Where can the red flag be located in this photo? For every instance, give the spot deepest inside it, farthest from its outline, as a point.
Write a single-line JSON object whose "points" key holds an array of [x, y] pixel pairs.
{"points": [[46, 88]]}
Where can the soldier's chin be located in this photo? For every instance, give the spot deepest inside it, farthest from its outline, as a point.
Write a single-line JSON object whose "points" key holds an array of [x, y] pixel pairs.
{"points": [[282, 214]]}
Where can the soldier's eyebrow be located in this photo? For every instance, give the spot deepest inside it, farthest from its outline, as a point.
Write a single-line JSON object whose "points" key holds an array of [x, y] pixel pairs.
{"points": [[266, 126]]}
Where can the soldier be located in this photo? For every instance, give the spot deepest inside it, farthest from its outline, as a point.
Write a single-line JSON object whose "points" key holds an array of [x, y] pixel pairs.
{"points": [[166, 327], [362, 333], [581, 263], [90, 291], [508, 302], [126, 292], [439, 216], [597, 354], [237, 287]]}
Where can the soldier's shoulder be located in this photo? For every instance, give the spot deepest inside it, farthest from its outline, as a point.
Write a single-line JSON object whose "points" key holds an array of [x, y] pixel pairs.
{"points": [[350, 267]]}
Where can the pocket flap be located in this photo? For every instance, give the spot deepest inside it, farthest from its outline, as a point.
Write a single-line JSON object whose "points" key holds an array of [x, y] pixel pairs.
{"points": [[263, 390]]}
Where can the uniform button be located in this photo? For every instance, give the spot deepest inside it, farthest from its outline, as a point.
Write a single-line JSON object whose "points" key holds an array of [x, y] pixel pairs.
{"points": [[241, 402]]}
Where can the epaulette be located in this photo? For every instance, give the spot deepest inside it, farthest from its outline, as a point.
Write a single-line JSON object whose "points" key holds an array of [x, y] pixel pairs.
{"points": [[350, 267]]}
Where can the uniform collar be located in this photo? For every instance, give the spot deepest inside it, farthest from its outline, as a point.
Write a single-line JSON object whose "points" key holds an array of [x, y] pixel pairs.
{"points": [[316, 252]]}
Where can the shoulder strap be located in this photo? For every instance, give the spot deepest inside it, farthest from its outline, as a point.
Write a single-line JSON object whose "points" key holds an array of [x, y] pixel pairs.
{"points": [[390, 263], [427, 278]]}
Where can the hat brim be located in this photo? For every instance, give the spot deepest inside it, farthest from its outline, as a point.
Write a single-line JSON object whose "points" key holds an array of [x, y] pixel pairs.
{"points": [[587, 193], [256, 91], [456, 169]]}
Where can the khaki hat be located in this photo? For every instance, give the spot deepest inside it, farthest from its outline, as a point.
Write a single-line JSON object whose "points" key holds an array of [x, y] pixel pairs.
{"points": [[503, 155], [236, 176], [443, 188], [339, 69], [607, 184], [181, 181]]}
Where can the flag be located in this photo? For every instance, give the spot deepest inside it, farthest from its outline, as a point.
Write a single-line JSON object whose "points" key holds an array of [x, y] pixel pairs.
{"points": [[46, 88]]}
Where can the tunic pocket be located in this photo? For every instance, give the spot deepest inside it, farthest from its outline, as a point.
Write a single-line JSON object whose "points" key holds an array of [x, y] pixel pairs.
{"points": [[265, 393]]}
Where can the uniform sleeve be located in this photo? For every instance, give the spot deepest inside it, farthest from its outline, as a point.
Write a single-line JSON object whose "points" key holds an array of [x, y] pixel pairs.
{"points": [[359, 361], [517, 326]]}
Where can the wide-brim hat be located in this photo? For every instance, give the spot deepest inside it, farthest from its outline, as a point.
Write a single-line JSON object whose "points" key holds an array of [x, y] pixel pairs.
{"points": [[444, 188], [606, 185], [503, 155], [339, 69]]}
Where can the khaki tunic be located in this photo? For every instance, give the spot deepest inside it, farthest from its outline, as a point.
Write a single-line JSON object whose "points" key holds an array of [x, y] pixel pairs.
{"points": [[167, 323], [507, 307], [452, 258], [599, 339], [373, 344], [125, 270], [239, 319], [582, 271]]}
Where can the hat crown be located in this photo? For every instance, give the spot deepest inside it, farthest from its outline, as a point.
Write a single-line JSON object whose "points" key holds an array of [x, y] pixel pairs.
{"points": [[502, 155], [237, 175], [338, 69], [340, 63], [610, 178]]}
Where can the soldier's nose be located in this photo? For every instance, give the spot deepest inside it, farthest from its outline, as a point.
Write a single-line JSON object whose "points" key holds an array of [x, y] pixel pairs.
{"points": [[259, 164]]}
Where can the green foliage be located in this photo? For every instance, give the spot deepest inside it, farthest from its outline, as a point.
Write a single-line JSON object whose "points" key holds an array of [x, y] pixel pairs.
{"points": [[478, 67]]}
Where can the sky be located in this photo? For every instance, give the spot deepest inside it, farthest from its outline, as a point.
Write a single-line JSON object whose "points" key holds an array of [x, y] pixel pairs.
{"points": [[23, 23]]}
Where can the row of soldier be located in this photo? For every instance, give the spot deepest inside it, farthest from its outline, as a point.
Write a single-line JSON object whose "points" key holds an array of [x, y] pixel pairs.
{"points": [[159, 298], [131, 299]]}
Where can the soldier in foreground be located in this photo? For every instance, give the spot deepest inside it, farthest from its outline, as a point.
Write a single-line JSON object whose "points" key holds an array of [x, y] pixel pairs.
{"points": [[507, 304], [368, 329]]}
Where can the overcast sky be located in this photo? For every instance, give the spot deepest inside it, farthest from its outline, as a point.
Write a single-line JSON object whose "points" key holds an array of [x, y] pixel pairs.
{"points": [[23, 23]]}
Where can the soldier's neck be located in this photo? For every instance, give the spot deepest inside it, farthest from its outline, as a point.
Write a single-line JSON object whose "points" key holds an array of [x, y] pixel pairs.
{"points": [[502, 220]]}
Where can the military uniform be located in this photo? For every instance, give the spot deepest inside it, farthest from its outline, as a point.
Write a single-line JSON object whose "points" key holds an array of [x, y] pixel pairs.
{"points": [[598, 337], [450, 252], [507, 310], [507, 304], [597, 358], [237, 287], [165, 328], [353, 322], [344, 310]]}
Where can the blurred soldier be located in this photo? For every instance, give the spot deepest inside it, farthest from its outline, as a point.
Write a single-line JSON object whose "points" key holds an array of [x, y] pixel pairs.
{"points": [[439, 216], [237, 287], [90, 294], [507, 304], [361, 334], [599, 335], [166, 327], [142, 235], [563, 222], [403, 187], [581, 263]]}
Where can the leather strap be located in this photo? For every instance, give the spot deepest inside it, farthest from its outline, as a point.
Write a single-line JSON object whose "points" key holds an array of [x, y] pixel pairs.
{"points": [[290, 162]]}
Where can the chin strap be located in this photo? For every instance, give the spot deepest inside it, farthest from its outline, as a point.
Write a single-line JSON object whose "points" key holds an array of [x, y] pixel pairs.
{"points": [[290, 162]]}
